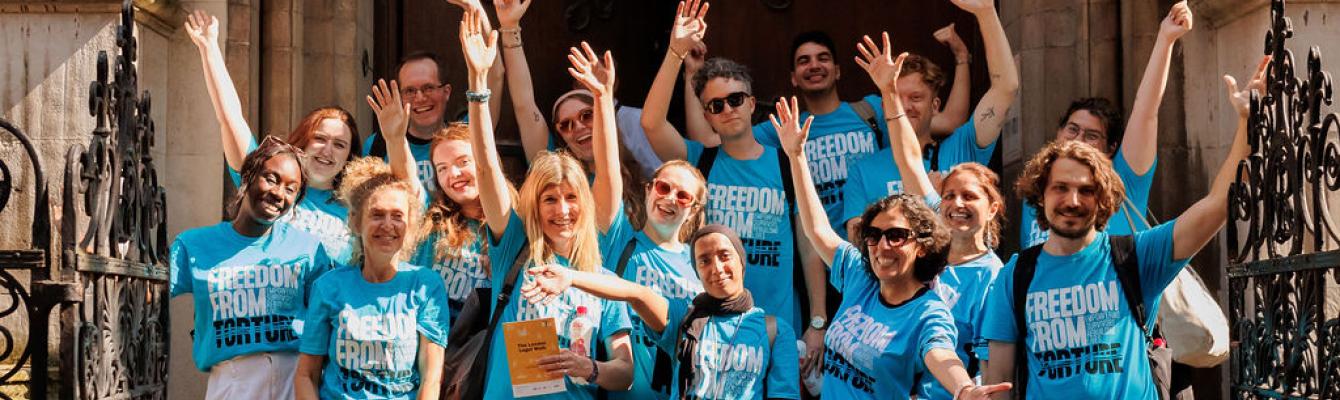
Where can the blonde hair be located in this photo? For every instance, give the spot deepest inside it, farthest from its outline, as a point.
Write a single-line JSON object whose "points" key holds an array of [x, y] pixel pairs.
{"points": [[1033, 181], [696, 218], [444, 216], [553, 169], [364, 177]]}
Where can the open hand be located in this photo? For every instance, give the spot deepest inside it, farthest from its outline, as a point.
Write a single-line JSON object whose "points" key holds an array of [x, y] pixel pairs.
{"points": [[479, 52], [1242, 100], [690, 26], [1177, 23], [949, 37], [203, 29], [510, 12], [880, 64], [596, 74], [546, 284], [391, 109], [787, 123], [983, 392]]}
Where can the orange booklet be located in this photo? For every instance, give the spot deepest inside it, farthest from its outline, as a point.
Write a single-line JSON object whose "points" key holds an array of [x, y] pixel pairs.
{"points": [[527, 342]]}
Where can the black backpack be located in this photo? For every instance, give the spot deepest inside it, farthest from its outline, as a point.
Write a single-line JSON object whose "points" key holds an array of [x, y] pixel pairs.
{"points": [[1127, 264], [465, 370]]}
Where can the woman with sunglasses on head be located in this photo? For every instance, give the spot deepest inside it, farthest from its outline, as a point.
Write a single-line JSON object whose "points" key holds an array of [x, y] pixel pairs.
{"points": [[969, 207], [551, 221], [656, 256], [326, 135], [249, 279], [375, 329], [885, 286]]}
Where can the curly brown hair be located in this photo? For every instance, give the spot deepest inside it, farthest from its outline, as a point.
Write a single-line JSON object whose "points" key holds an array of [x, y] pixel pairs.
{"points": [[1109, 190], [364, 177], [990, 183], [444, 216], [930, 232], [931, 74]]}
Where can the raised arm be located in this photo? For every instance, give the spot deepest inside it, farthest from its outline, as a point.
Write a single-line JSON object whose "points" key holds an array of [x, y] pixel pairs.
{"points": [[687, 31], [1000, 97], [393, 118], [551, 280], [1140, 142], [237, 137], [878, 62], [597, 75], [813, 219], [699, 130], [948, 369], [956, 108], [1200, 223], [493, 192], [534, 129]]}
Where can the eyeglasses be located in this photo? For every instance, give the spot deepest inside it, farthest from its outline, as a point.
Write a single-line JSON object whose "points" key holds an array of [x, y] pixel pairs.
{"points": [[716, 106], [568, 125], [1076, 132], [895, 236], [426, 90], [682, 197]]}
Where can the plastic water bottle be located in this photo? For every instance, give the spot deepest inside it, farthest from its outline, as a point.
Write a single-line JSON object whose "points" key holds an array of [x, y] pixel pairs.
{"points": [[814, 381], [579, 334]]}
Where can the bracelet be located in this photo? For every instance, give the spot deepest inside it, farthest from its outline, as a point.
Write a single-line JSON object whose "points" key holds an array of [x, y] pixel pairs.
{"points": [[481, 96], [511, 37], [677, 54], [595, 372], [893, 118], [963, 61]]}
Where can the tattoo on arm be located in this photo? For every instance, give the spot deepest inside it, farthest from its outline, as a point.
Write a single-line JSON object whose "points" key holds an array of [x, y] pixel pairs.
{"points": [[536, 116], [987, 115]]}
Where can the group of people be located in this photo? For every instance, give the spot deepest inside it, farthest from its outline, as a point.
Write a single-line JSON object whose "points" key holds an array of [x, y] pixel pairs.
{"points": [[343, 268]]}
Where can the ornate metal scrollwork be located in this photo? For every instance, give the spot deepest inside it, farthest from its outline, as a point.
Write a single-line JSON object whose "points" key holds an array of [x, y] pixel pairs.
{"points": [[1287, 345]]}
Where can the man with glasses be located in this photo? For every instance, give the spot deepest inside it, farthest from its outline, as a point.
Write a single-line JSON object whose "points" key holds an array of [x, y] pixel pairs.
{"points": [[1133, 148]]}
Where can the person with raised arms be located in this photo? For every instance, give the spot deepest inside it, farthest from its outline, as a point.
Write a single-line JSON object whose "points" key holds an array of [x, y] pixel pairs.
{"points": [[724, 346], [376, 328], [249, 279], [871, 179], [971, 210], [1134, 149], [551, 221], [326, 136], [1115, 281]]}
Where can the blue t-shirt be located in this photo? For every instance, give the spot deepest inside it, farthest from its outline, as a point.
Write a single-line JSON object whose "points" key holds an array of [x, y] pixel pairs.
{"points": [[320, 214], [876, 176], [963, 289], [748, 196], [249, 293], [875, 350], [734, 359], [421, 149], [461, 272], [836, 139], [611, 316], [1137, 189], [668, 273], [369, 332], [1078, 316]]}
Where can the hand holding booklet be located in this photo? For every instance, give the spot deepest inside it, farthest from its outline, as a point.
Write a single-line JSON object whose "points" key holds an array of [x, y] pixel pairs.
{"points": [[527, 342]]}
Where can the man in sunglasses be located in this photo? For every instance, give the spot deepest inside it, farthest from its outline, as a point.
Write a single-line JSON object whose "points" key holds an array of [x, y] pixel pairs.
{"points": [[872, 178]]}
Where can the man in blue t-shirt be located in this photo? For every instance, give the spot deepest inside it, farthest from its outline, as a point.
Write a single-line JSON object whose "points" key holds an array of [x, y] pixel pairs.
{"points": [[1082, 339], [1134, 148]]}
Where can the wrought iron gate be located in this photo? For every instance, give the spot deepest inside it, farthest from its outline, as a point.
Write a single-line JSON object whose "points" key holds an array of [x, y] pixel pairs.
{"points": [[107, 279], [1282, 235]]}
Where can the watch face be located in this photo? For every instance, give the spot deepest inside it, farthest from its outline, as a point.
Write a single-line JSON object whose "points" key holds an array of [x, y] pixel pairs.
{"points": [[817, 322]]}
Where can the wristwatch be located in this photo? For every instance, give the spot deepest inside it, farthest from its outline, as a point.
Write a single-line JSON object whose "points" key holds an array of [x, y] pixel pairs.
{"points": [[818, 323]]}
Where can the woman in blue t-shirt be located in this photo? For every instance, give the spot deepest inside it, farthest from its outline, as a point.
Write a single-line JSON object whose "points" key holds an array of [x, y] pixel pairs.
{"points": [[890, 329], [376, 328], [724, 347], [553, 219], [326, 135], [656, 256], [249, 278]]}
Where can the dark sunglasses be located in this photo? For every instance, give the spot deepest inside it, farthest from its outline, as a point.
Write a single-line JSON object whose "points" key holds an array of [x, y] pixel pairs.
{"points": [[584, 117], [716, 106], [682, 197], [895, 236]]}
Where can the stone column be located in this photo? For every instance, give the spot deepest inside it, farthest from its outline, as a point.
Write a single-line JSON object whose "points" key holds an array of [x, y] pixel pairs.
{"points": [[281, 66]]}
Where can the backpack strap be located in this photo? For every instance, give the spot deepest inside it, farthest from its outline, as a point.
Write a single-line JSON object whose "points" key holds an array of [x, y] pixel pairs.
{"points": [[378, 148], [931, 152], [1024, 268], [480, 364], [623, 258], [797, 271], [706, 160], [1126, 261], [866, 111]]}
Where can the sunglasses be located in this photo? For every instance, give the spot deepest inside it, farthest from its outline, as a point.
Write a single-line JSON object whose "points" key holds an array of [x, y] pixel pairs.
{"points": [[895, 236], [682, 197], [716, 106], [570, 124]]}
